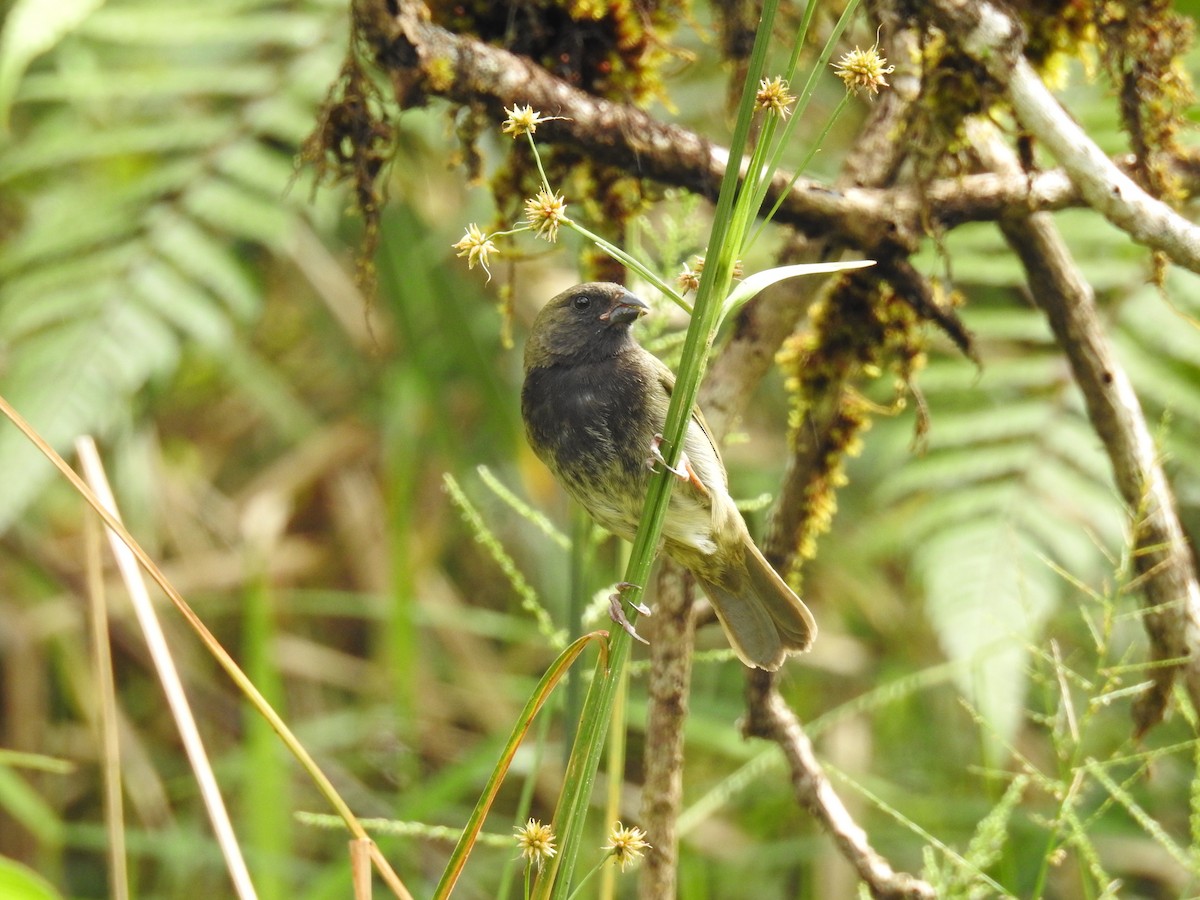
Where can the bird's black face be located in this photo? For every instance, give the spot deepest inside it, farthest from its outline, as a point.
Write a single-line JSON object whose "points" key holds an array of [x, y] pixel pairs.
{"points": [[588, 321]]}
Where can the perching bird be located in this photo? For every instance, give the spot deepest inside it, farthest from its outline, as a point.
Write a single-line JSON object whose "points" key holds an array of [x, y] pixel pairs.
{"points": [[594, 404]]}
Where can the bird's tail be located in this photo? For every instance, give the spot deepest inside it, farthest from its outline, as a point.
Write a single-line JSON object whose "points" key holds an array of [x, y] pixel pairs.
{"points": [[762, 616]]}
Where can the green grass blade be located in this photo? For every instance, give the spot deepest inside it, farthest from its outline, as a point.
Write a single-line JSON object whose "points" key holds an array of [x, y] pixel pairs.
{"points": [[458, 859]]}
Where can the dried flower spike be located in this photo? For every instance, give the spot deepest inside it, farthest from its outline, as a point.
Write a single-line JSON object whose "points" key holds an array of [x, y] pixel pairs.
{"points": [[688, 279], [626, 845], [536, 842], [697, 269], [773, 96], [864, 70], [545, 212], [524, 120], [476, 247]]}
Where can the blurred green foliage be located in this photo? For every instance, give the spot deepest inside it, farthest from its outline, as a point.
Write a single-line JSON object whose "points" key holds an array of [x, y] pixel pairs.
{"points": [[279, 441]]}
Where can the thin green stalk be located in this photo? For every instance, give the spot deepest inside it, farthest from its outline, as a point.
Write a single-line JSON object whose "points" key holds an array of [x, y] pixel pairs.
{"points": [[458, 859], [757, 179], [806, 94], [636, 265], [810, 86], [616, 774], [588, 877], [798, 42], [537, 157], [525, 801], [714, 284], [581, 771], [812, 151], [581, 553]]}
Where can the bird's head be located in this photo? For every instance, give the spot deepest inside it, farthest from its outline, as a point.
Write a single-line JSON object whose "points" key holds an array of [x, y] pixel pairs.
{"points": [[585, 323]]}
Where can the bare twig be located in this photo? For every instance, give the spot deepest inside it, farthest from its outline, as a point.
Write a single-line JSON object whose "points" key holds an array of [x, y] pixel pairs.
{"points": [[768, 716], [1162, 555], [671, 630]]}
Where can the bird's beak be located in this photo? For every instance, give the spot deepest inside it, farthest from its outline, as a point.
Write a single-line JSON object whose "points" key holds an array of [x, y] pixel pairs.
{"points": [[628, 308]]}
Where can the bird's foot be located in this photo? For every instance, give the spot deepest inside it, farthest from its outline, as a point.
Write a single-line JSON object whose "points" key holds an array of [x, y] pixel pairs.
{"points": [[622, 587], [684, 471], [656, 457], [616, 612]]}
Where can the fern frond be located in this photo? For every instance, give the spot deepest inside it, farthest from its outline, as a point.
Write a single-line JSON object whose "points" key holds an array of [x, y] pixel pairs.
{"points": [[128, 248], [1013, 489]]}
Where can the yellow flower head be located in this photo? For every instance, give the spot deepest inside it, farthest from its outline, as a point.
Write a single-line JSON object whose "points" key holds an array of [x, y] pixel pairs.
{"points": [[773, 96], [864, 70], [545, 212], [476, 247], [536, 842], [524, 120], [626, 845]]}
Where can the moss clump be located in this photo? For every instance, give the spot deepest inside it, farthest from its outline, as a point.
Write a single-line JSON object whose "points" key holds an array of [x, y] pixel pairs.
{"points": [[860, 330]]}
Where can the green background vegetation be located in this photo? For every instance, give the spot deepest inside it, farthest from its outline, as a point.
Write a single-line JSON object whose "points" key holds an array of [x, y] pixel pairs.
{"points": [[280, 441]]}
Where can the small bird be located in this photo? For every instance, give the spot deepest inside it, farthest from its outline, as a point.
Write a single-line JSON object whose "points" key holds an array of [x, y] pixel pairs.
{"points": [[594, 404]]}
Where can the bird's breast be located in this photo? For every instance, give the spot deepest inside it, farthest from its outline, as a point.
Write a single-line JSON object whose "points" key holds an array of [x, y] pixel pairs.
{"points": [[592, 416], [593, 424]]}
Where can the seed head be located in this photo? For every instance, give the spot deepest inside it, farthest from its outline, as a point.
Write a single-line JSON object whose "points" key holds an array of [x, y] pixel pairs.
{"points": [[626, 845], [536, 842], [773, 96], [545, 212], [476, 247], [524, 120], [864, 70], [688, 279]]}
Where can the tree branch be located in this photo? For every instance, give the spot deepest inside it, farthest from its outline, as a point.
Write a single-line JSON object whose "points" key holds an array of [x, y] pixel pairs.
{"points": [[425, 61], [671, 632], [995, 40], [770, 717], [1162, 555]]}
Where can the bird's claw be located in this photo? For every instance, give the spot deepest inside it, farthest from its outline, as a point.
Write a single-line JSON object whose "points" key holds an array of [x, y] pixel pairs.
{"points": [[684, 472], [622, 587], [616, 612], [681, 472]]}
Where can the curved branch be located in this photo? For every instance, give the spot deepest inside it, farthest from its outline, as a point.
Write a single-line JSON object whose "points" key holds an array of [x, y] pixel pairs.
{"points": [[995, 40], [770, 717]]}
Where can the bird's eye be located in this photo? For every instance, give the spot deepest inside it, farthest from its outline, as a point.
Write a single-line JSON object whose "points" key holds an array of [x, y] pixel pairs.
{"points": [[582, 302]]}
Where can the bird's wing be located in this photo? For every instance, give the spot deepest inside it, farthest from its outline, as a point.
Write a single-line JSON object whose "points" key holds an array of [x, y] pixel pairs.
{"points": [[698, 443]]}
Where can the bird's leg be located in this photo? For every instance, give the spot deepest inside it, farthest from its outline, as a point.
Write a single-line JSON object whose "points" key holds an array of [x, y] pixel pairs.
{"points": [[617, 612], [684, 472]]}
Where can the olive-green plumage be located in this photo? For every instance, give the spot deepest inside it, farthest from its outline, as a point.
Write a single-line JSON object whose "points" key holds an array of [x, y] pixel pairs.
{"points": [[593, 401]]}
